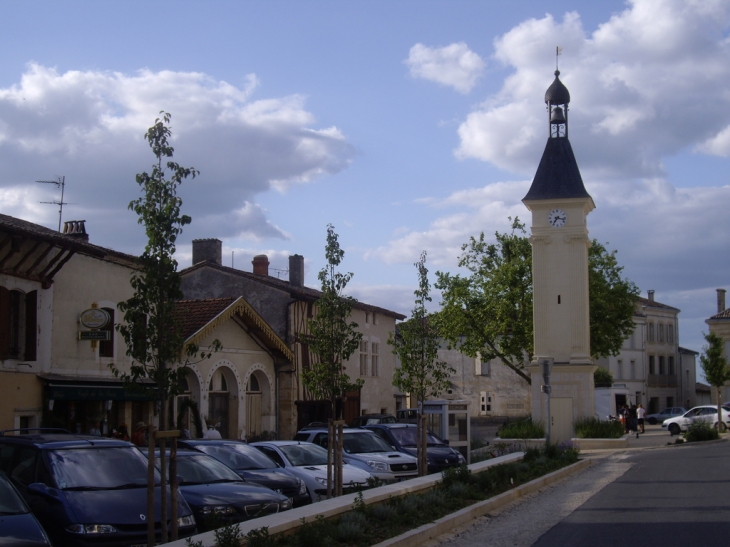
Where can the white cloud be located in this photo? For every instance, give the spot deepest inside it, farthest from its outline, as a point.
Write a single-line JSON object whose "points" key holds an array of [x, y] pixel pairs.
{"points": [[454, 65], [89, 126], [648, 83]]}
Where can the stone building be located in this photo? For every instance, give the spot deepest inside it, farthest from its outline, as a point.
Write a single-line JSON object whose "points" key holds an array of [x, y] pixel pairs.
{"points": [[720, 325], [286, 305]]}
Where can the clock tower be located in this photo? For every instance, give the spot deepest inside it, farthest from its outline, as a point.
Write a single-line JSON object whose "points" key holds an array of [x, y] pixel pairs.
{"points": [[559, 204]]}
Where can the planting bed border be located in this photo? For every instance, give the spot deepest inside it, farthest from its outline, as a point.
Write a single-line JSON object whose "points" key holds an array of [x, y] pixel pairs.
{"points": [[289, 521]]}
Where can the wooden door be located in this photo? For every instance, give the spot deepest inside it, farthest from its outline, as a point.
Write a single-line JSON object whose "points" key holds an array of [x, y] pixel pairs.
{"points": [[561, 419]]}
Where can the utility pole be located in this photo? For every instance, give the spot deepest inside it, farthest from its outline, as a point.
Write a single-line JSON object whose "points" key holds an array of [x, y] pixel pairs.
{"points": [[61, 182]]}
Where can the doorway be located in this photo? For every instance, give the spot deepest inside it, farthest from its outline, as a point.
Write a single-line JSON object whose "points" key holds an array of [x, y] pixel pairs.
{"points": [[561, 419]]}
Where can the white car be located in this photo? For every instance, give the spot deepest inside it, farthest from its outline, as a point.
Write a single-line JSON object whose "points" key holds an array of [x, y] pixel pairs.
{"points": [[704, 413], [308, 461], [367, 451]]}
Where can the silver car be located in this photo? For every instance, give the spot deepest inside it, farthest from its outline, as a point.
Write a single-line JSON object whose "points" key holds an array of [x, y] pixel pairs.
{"points": [[308, 462]]}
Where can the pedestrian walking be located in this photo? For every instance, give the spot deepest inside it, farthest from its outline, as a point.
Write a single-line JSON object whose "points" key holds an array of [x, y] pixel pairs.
{"points": [[640, 413], [632, 421]]}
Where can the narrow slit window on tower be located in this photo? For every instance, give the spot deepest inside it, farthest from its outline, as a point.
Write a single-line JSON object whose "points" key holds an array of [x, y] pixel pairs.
{"points": [[558, 299]]}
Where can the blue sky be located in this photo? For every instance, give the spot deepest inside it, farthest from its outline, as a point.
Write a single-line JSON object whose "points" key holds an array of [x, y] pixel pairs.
{"points": [[409, 125]]}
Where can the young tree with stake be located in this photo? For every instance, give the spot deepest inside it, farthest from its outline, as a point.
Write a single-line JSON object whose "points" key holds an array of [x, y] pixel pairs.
{"points": [[715, 366], [416, 344]]}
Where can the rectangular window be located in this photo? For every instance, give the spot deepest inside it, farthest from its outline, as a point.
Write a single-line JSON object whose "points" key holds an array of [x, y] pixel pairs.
{"points": [[661, 332], [633, 370], [375, 318], [650, 335], [670, 333], [651, 364], [670, 402], [363, 358], [661, 365], [481, 368], [106, 347], [671, 364], [620, 369], [367, 317], [374, 350]]}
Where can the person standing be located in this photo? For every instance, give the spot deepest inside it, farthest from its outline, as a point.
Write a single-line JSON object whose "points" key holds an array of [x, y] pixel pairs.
{"points": [[138, 437], [212, 433], [640, 413], [632, 421]]}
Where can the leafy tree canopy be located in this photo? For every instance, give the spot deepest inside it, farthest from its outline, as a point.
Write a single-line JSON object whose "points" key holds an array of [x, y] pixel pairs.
{"points": [[416, 343], [332, 337], [489, 312]]}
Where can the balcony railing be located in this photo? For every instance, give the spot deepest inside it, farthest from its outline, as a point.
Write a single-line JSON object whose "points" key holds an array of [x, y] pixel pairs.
{"points": [[662, 380]]}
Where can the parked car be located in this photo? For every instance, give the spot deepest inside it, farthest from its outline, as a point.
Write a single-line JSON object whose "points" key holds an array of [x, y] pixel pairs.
{"points": [[406, 416], [669, 412], [18, 526], [85, 490], [367, 451], [253, 466], [403, 438], [369, 419], [219, 496], [704, 413], [308, 461]]}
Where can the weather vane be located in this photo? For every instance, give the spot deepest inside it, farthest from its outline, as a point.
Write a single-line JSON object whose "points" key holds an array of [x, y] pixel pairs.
{"points": [[60, 183], [558, 51]]}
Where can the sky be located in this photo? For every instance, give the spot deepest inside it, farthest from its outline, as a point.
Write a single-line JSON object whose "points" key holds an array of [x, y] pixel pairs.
{"points": [[410, 126]]}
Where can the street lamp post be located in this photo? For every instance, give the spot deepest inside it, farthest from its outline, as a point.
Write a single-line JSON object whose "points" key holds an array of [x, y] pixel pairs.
{"points": [[546, 365]]}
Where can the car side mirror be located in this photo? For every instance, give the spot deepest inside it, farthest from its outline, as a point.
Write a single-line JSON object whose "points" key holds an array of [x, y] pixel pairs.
{"points": [[446, 442]]}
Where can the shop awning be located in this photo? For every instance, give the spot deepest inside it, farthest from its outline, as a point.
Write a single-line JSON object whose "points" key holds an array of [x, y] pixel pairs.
{"points": [[89, 388]]}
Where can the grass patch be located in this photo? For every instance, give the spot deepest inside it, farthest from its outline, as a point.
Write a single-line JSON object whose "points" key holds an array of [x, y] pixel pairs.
{"points": [[593, 428], [522, 429], [367, 525]]}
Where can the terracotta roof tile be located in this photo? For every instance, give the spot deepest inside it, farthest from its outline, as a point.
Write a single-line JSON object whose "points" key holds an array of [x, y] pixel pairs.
{"points": [[195, 314]]}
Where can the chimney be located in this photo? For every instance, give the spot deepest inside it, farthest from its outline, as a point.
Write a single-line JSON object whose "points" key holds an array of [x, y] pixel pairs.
{"points": [[260, 265], [296, 270], [207, 249], [721, 300], [76, 229], [651, 295]]}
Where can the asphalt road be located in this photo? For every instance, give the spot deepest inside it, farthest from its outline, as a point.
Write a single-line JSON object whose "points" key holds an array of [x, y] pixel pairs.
{"points": [[662, 497]]}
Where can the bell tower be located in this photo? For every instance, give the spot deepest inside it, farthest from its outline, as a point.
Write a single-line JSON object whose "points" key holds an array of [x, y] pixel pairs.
{"points": [[560, 204]]}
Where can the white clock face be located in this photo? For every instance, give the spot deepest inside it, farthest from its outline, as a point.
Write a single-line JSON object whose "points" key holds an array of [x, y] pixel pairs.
{"points": [[557, 218]]}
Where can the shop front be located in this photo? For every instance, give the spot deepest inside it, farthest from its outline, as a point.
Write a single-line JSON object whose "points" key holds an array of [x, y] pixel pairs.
{"points": [[95, 405]]}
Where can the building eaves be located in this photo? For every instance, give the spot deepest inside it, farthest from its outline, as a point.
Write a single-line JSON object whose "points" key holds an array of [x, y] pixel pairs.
{"points": [[654, 304]]}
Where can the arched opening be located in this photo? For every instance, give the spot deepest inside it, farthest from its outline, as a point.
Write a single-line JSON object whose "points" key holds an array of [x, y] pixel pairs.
{"points": [[222, 397]]}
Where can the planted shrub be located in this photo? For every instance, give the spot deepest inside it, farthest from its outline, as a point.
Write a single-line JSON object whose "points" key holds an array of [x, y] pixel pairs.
{"points": [[522, 429], [701, 431], [593, 428]]}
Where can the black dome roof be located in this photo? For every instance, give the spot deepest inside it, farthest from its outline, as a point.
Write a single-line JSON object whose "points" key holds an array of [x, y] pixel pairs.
{"points": [[557, 93]]}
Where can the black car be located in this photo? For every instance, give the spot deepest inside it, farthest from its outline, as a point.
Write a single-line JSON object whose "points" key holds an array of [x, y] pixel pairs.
{"points": [[253, 466], [86, 490], [403, 437], [18, 526], [218, 496]]}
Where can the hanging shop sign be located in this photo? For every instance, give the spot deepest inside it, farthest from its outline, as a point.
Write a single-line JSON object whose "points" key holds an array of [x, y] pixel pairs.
{"points": [[94, 318]]}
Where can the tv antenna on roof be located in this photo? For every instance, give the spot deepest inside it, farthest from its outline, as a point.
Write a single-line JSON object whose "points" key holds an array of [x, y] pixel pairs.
{"points": [[60, 183], [558, 52]]}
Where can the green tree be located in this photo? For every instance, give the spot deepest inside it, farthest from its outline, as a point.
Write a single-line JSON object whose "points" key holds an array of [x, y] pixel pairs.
{"points": [[602, 377], [716, 369], [489, 312], [150, 329], [416, 343], [332, 339]]}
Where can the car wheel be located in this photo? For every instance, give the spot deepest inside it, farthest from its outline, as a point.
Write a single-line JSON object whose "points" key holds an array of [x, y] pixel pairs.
{"points": [[652, 421], [723, 427], [673, 429]]}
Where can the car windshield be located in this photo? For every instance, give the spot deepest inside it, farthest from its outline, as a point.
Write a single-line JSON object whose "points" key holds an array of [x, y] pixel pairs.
{"points": [[238, 456], [203, 469], [406, 436], [305, 454], [10, 502], [363, 443], [99, 468]]}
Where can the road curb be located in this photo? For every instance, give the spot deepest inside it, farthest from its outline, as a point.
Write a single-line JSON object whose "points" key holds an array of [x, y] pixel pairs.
{"points": [[417, 536]]}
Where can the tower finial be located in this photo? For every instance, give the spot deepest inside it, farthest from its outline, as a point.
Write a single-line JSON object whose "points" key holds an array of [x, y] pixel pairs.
{"points": [[558, 51]]}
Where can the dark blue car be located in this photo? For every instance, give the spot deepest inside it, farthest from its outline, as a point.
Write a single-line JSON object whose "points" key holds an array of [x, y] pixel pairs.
{"points": [[18, 526], [218, 496], [252, 466], [440, 455], [86, 491]]}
